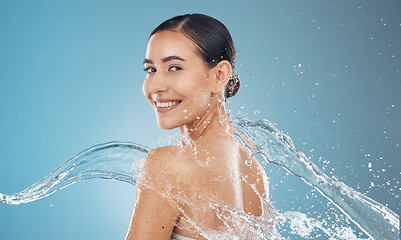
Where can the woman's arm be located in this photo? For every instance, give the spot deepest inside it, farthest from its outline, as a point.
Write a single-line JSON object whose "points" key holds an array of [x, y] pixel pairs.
{"points": [[155, 212], [154, 217]]}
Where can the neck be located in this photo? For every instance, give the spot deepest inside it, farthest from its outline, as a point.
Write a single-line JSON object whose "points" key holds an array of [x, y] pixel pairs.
{"points": [[214, 120]]}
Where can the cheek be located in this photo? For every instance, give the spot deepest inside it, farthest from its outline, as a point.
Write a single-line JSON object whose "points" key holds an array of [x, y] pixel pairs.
{"points": [[146, 91], [200, 98], [145, 88], [192, 83]]}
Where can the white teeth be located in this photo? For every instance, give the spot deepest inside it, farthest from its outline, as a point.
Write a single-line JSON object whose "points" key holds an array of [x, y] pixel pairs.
{"points": [[165, 104]]}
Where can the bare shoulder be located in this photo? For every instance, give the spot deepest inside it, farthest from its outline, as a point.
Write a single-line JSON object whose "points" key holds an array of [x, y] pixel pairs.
{"points": [[166, 167], [160, 156], [158, 160]]}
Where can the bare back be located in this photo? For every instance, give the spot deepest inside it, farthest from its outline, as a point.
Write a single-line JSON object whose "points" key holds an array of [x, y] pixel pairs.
{"points": [[205, 189], [214, 173]]}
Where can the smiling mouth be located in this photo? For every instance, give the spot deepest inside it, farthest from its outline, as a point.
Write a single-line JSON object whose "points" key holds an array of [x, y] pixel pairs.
{"points": [[166, 105]]}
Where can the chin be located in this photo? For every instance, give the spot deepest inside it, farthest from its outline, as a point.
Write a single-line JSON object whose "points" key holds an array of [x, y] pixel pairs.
{"points": [[166, 126]]}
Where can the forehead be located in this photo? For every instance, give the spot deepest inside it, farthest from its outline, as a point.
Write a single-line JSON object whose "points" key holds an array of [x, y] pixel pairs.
{"points": [[169, 43]]}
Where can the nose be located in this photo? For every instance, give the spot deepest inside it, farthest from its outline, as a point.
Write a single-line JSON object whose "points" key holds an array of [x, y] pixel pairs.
{"points": [[158, 84]]}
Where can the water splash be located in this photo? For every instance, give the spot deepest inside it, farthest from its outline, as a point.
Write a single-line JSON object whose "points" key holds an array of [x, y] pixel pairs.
{"points": [[114, 160], [376, 220], [123, 161]]}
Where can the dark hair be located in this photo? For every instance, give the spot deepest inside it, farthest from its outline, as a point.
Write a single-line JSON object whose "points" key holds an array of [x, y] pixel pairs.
{"points": [[212, 40]]}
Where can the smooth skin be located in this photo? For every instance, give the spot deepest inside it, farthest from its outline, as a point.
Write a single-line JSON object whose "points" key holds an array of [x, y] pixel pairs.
{"points": [[185, 188]]}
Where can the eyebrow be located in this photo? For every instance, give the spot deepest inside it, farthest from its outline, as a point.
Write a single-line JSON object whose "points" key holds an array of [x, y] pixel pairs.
{"points": [[166, 59]]}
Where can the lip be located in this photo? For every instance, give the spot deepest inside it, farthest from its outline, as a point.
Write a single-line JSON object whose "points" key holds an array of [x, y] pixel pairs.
{"points": [[166, 109]]}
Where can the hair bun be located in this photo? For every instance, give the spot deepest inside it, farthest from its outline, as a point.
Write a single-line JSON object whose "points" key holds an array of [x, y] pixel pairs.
{"points": [[232, 86]]}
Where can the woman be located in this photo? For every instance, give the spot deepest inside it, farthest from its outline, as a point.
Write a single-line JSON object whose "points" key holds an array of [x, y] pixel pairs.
{"points": [[205, 187]]}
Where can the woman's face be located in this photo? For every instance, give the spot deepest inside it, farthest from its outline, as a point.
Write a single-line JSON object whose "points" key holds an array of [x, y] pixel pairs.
{"points": [[177, 82]]}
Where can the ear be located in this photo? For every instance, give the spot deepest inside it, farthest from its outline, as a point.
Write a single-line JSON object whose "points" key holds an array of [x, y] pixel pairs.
{"points": [[221, 74]]}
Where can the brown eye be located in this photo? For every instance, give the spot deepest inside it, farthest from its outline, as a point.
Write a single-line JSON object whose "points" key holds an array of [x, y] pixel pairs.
{"points": [[149, 70], [175, 68]]}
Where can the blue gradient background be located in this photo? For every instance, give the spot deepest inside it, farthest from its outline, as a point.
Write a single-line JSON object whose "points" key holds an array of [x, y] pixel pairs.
{"points": [[327, 72]]}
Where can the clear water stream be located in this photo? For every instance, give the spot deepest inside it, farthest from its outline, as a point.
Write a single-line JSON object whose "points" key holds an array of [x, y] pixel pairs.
{"points": [[123, 161]]}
